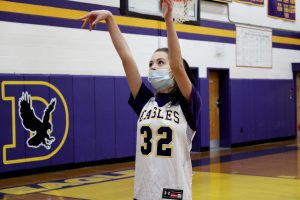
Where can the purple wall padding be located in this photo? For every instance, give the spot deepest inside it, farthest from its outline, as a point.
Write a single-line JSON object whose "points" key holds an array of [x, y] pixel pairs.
{"points": [[6, 125], [204, 116], [243, 105], [103, 126], [296, 67], [105, 118], [261, 109], [84, 118], [125, 120], [264, 109], [225, 109], [65, 85], [39, 91], [197, 138], [296, 70], [148, 84]]}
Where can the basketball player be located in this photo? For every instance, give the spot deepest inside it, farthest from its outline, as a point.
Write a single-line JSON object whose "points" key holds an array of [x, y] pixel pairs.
{"points": [[167, 119]]}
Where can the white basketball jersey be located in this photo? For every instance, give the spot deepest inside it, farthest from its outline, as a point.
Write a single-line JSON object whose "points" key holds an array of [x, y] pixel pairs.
{"points": [[163, 167]]}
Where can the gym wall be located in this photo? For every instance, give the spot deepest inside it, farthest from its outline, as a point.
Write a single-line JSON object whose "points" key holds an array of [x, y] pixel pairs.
{"points": [[44, 51]]}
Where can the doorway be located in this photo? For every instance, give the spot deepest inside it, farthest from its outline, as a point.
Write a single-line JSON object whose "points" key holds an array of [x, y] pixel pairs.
{"points": [[296, 77], [214, 113], [298, 102], [219, 117]]}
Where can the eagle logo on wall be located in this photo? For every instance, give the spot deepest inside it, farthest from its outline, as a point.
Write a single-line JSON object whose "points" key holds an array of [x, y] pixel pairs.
{"points": [[40, 129]]}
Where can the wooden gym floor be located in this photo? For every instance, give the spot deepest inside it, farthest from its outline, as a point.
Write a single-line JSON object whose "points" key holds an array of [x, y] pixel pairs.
{"points": [[268, 171]]}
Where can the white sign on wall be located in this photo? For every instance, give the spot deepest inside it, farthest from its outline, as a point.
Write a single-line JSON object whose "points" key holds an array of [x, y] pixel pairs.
{"points": [[253, 47]]}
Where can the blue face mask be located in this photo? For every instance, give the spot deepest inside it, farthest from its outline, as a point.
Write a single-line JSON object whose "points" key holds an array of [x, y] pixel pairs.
{"points": [[160, 79]]}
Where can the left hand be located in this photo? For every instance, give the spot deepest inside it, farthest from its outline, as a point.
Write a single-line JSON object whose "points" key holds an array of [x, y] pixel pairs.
{"points": [[95, 17], [167, 8]]}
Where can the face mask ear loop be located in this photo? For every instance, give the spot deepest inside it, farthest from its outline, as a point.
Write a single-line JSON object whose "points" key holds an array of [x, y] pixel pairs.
{"points": [[171, 74]]}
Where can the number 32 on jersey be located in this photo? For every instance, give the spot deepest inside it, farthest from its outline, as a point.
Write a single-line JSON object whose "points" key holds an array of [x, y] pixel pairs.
{"points": [[163, 144]]}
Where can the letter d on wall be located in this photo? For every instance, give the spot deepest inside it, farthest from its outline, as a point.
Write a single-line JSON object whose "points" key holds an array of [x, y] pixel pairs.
{"points": [[33, 118]]}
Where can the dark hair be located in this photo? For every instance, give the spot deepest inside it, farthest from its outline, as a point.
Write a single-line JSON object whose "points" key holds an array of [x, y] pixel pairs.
{"points": [[176, 95]]}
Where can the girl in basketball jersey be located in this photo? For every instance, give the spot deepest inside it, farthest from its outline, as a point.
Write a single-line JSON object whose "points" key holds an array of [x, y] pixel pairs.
{"points": [[167, 119]]}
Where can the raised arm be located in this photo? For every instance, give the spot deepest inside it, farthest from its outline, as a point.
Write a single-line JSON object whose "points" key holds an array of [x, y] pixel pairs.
{"points": [[175, 58], [120, 44]]}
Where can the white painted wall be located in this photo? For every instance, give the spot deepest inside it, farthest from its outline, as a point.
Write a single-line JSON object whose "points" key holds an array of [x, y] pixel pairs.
{"points": [[234, 12], [35, 49], [114, 3], [256, 15], [247, 14], [26, 48]]}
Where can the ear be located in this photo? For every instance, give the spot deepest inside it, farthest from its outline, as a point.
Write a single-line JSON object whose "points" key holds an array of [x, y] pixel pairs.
{"points": [[171, 74]]}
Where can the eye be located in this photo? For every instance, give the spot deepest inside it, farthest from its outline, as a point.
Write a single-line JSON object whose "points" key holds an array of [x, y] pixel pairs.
{"points": [[150, 64], [161, 62]]}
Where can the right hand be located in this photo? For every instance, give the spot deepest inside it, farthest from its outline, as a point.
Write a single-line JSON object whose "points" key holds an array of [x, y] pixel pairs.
{"points": [[95, 17], [167, 9]]}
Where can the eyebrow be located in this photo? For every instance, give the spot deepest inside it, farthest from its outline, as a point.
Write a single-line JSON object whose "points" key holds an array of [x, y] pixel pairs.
{"points": [[157, 59]]}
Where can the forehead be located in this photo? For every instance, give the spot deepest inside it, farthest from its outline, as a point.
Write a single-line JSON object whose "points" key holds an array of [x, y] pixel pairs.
{"points": [[159, 54]]}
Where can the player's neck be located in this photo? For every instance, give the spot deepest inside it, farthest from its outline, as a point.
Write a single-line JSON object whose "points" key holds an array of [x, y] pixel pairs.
{"points": [[165, 91]]}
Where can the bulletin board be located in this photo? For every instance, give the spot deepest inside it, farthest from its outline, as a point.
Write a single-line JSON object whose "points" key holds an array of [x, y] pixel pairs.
{"points": [[253, 47]]}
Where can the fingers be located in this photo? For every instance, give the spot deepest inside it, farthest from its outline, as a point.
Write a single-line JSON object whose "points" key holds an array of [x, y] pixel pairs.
{"points": [[93, 18], [167, 7], [90, 18], [84, 23], [90, 25], [169, 3], [85, 16], [164, 8], [96, 21]]}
